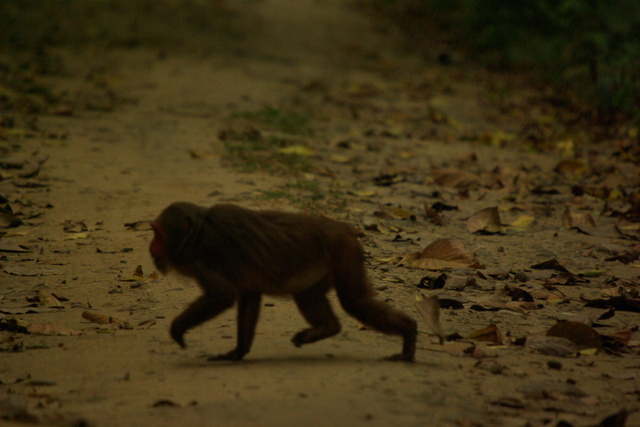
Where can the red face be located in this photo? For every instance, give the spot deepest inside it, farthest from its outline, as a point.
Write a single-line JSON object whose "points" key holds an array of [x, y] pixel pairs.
{"points": [[157, 247]]}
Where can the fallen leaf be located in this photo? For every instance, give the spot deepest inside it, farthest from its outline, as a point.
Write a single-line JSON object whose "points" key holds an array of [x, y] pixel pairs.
{"points": [[628, 228], [49, 329], [521, 223], [77, 236], [300, 150], [509, 402], [485, 221], [552, 346], [571, 167], [429, 309], [583, 221], [455, 178], [619, 419], [206, 155], [441, 254], [74, 226], [450, 303], [584, 336], [430, 282], [138, 225], [8, 218], [30, 271], [551, 264], [103, 319], [550, 390], [47, 299], [12, 248], [490, 334], [138, 276], [146, 324], [621, 303], [399, 212], [165, 403]]}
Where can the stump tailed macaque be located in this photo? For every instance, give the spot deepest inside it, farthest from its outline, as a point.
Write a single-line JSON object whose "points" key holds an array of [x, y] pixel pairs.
{"points": [[239, 254]]}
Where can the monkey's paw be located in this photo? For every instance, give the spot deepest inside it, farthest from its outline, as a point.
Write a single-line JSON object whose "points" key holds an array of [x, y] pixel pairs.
{"points": [[234, 355], [177, 334], [401, 357]]}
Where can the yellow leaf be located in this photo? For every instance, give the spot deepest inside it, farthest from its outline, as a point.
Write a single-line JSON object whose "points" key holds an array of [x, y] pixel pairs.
{"points": [[594, 273], [521, 223], [398, 212], [589, 352], [362, 193], [407, 154], [77, 236], [340, 158], [300, 150], [566, 147]]}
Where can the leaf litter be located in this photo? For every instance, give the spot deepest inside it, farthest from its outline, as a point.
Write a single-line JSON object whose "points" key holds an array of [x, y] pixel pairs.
{"points": [[550, 204]]}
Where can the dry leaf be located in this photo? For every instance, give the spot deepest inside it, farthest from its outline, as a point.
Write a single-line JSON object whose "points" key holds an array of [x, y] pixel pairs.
{"points": [[49, 329], [621, 303], [551, 264], [138, 272], [552, 346], [77, 236], [429, 309], [455, 178], [485, 221], [339, 158], [441, 254], [584, 336], [138, 225], [12, 248], [101, 319], [138, 276], [48, 300], [7, 218], [299, 150], [489, 334], [579, 220], [196, 154], [146, 324], [521, 223], [571, 167], [399, 212], [74, 227], [628, 228]]}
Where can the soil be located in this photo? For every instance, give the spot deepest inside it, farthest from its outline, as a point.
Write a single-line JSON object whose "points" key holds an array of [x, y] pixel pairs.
{"points": [[113, 110]]}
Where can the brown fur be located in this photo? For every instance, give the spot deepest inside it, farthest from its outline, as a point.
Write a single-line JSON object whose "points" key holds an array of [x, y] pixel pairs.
{"points": [[239, 254]]}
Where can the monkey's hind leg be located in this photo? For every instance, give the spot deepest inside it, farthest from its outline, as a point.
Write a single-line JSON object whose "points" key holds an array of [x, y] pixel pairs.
{"points": [[248, 312], [316, 309], [386, 319]]}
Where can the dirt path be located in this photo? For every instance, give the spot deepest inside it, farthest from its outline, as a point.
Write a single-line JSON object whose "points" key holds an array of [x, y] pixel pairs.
{"points": [[305, 106]]}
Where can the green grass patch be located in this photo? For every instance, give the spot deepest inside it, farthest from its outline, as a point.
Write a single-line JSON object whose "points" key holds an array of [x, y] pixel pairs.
{"points": [[277, 119]]}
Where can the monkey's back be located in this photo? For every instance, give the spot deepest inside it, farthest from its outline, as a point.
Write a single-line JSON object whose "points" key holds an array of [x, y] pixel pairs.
{"points": [[241, 243]]}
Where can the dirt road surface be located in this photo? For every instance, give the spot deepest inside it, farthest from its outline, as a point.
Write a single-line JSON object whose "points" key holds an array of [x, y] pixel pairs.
{"points": [[120, 108]]}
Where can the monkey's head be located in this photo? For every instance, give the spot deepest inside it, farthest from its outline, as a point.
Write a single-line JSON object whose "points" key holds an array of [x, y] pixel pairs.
{"points": [[172, 231]]}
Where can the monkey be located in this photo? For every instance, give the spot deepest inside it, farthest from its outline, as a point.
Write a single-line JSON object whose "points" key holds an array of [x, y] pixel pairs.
{"points": [[238, 254]]}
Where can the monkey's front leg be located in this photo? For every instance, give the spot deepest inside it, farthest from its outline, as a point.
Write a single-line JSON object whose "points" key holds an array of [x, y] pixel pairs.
{"points": [[204, 308], [248, 311]]}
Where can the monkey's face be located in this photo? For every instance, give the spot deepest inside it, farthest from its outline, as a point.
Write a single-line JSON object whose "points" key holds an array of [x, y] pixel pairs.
{"points": [[158, 248]]}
